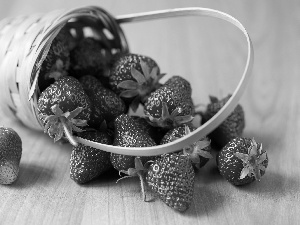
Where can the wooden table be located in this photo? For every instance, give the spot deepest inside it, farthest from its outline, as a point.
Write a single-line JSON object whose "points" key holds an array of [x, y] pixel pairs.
{"points": [[211, 54]]}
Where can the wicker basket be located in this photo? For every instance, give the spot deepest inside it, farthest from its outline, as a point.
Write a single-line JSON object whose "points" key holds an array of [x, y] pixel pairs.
{"points": [[25, 42]]}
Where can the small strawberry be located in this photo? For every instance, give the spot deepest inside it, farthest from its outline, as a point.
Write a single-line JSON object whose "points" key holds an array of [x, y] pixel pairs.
{"points": [[170, 105], [129, 134], [57, 61], [90, 57], [134, 77], [242, 161], [10, 155], [199, 152], [64, 107], [106, 105], [87, 163], [172, 177], [231, 128]]}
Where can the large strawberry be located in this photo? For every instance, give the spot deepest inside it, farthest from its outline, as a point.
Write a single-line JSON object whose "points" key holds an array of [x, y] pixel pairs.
{"points": [[231, 128], [199, 152], [86, 162], [242, 161], [10, 155], [57, 61], [170, 105], [134, 77], [106, 105], [64, 107], [129, 134], [90, 57], [172, 177]]}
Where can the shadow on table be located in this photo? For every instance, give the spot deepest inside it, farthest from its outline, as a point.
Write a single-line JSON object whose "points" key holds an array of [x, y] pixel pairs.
{"points": [[110, 176], [206, 201], [31, 175], [272, 185]]}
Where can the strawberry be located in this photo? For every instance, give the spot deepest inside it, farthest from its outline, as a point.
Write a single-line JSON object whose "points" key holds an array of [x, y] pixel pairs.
{"points": [[242, 161], [90, 57], [10, 155], [172, 177], [134, 77], [199, 152], [57, 61], [64, 107], [232, 127], [90, 83], [170, 105], [156, 133], [128, 134], [70, 39], [86, 162], [178, 82], [106, 105]]}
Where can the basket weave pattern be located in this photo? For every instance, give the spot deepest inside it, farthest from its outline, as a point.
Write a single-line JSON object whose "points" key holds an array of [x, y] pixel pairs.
{"points": [[25, 42]]}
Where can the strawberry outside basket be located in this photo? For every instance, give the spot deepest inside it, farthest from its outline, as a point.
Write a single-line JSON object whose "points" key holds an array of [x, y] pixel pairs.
{"points": [[25, 41]]}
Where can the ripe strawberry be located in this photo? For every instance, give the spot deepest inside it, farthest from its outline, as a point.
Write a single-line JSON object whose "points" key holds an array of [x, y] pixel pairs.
{"points": [[62, 107], [87, 163], [156, 133], [231, 128], [178, 82], [10, 155], [106, 105], [129, 134], [71, 37], [242, 161], [172, 177], [176, 133], [170, 105], [90, 83], [57, 61], [199, 152], [90, 57], [134, 77]]}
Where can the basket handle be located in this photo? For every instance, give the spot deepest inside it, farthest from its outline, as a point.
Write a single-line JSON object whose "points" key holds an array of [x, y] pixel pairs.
{"points": [[218, 118]]}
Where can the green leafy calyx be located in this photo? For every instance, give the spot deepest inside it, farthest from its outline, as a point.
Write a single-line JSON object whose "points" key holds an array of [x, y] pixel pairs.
{"points": [[197, 149], [142, 85], [63, 123], [253, 161], [168, 120]]}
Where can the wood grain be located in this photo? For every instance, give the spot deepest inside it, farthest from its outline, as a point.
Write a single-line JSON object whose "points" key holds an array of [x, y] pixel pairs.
{"points": [[211, 55]]}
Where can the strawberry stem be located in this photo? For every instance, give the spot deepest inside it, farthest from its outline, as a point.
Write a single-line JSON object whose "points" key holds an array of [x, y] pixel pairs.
{"points": [[68, 134], [142, 185], [138, 171]]}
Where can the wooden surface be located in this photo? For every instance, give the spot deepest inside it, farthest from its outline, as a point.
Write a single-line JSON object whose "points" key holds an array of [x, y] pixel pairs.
{"points": [[211, 54]]}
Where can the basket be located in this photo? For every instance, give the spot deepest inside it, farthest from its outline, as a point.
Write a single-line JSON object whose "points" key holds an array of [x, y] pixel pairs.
{"points": [[25, 42]]}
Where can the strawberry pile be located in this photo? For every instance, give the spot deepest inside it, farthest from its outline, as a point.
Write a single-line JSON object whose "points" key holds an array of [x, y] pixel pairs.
{"points": [[89, 91]]}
